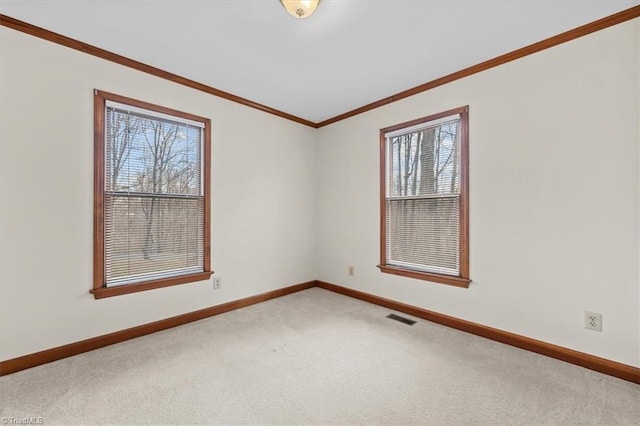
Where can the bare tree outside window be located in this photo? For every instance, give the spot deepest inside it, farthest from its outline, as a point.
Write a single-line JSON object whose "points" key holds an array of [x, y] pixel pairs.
{"points": [[151, 208], [423, 195], [153, 201]]}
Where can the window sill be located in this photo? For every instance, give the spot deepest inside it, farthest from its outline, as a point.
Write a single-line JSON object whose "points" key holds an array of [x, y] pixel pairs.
{"points": [[427, 276], [102, 292]]}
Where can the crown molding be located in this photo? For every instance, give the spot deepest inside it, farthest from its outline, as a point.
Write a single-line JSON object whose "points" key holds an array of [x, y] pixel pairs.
{"points": [[573, 34], [600, 24], [71, 43]]}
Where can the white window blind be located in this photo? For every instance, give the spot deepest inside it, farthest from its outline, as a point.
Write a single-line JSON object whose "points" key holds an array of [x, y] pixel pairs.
{"points": [[423, 196], [153, 199]]}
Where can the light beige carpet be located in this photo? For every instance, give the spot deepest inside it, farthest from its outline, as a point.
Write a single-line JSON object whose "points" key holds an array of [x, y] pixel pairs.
{"points": [[316, 357]]}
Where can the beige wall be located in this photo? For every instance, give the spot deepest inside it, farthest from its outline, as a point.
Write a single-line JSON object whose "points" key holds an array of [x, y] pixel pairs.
{"points": [[554, 196], [262, 198], [554, 141]]}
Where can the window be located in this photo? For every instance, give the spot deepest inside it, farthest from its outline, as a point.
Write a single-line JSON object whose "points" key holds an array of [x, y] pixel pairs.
{"points": [[151, 196], [424, 198]]}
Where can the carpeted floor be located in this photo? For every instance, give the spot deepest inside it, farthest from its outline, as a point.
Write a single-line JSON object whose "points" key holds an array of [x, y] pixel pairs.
{"points": [[315, 357]]}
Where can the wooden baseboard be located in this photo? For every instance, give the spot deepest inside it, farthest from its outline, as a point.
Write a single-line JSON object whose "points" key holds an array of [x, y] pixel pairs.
{"points": [[54, 354], [582, 359]]}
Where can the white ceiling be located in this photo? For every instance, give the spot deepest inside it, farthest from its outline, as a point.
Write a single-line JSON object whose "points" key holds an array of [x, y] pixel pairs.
{"points": [[348, 54]]}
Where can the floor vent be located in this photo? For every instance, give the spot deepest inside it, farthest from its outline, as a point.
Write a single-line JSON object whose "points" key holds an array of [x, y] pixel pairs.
{"points": [[401, 319]]}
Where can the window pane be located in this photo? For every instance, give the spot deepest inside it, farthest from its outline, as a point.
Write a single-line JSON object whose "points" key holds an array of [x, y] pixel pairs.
{"points": [[426, 162], [151, 155], [423, 233], [152, 235], [154, 214]]}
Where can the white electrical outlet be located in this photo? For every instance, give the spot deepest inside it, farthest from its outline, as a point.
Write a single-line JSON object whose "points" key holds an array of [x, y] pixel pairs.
{"points": [[351, 271], [593, 321], [217, 283]]}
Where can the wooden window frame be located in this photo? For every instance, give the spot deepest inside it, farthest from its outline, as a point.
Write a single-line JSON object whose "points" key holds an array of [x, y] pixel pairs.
{"points": [[100, 290], [463, 279]]}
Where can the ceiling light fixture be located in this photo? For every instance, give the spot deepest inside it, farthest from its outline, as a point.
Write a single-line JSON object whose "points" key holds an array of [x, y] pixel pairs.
{"points": [[300, 8]]}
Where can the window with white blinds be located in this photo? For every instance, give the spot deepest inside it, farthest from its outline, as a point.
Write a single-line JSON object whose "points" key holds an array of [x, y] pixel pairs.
{"points": [[424, 198], [153, 191]]}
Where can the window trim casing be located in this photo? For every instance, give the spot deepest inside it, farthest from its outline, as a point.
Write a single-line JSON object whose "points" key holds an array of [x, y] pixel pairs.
{"points": [[100, 290], [463, 279]]}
